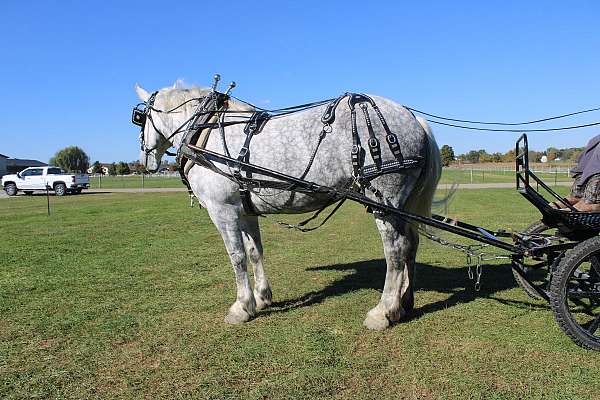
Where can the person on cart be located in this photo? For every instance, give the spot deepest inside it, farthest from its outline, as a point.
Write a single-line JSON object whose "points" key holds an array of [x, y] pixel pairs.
{"points": [[585, 191]]}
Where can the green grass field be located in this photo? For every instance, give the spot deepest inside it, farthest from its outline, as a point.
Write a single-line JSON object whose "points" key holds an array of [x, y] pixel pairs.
{"points": [[462, 176], [134, 182], [124, 295], [449, 175]]}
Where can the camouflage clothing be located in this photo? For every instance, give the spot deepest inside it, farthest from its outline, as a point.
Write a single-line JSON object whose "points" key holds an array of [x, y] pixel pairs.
{"points": [[589, 192]]}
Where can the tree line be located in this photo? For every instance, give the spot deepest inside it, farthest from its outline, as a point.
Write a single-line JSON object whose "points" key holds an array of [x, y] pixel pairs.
{"points": [[481, 156], [74, 159]]}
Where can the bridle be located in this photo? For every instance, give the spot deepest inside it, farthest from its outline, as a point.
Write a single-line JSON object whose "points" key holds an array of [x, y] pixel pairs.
{"points": [[142, 112]]}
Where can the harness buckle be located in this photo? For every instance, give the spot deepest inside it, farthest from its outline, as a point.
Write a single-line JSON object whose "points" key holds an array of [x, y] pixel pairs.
{"points": [[373, 142], [391, 138], [243, 152], [355, 149]]}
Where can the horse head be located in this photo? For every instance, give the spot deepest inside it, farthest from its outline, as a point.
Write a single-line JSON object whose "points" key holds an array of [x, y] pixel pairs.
{"points": [[162, 116]]}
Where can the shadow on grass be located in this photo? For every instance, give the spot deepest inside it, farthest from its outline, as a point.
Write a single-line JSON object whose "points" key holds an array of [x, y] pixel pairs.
{"points": [[453, 281]]}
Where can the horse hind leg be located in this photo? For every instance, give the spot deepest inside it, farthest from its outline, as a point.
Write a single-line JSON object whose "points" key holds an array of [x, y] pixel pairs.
{"points": [[400, 242], [254, 252], [228, 221]]}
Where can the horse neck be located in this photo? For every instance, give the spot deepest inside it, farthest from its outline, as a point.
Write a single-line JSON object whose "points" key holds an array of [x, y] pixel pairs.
{"points": [[177, 122]]}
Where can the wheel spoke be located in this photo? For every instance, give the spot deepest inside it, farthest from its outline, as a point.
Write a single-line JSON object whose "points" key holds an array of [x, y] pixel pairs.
{"points": [[595, 270], [588, 294], [594, 325]]}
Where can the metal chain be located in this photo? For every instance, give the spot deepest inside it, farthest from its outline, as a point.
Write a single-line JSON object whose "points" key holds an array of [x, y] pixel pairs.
{"points": [[472, 251]]}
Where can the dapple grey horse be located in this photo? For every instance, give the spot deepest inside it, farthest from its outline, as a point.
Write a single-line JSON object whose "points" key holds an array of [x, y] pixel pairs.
{"points": [[285, 144]]}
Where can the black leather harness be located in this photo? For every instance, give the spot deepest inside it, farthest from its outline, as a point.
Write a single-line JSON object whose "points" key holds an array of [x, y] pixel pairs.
{"points": [[213, 108], [255, 124], [210, 107]]}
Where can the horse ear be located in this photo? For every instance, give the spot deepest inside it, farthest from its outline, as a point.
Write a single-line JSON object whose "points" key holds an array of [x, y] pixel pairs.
{"points": [[142, 94], [178, 84]]}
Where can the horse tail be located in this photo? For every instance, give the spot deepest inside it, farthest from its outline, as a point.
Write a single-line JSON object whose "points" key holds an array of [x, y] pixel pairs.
{"points": [[420, 201]]}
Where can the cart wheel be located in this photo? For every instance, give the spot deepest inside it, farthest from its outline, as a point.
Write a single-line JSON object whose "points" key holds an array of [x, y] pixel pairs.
{"points": [[534, 274], [575, 294]]}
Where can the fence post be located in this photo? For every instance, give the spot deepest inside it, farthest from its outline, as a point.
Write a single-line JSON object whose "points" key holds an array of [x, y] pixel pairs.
{"points": [[483, 175], [143, 180], [471, 174], [48, 197]]}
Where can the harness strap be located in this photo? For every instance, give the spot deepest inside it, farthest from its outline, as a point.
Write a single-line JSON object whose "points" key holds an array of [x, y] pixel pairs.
{"points": [[329, 115], [357, 152], [373, 142], [198, 131], [300, 226], [256, 123], [390, 137]]}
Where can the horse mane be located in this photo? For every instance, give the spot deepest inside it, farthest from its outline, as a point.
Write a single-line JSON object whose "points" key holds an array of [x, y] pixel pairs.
{"points": [[178, 94]]}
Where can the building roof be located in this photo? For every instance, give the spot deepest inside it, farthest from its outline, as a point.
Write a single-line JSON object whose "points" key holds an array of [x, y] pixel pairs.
{"points": [[17, 162], [3, 156]]}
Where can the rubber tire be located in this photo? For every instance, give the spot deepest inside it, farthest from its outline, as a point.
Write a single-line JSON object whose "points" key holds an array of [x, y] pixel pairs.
{"points": [[60, 189], [536, 227], [10, 189], [558, 294]]}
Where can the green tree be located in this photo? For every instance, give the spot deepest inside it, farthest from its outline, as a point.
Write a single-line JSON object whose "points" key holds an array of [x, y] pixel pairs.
{"points": [[137, 167], [112, 169], [553, 153], [97, 168], [72, 159], [447, 155], [575, 154], [496, 157], [509, 156], [472, 156], [123, 168]]}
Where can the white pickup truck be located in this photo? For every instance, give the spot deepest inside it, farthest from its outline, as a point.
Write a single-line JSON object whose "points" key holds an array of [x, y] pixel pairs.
{"points": [[37, 178]]}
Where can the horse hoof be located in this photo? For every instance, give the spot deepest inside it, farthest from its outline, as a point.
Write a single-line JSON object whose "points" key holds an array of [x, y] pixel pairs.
{"points": [[376, 320], [237, 314], [263, 298], [234, 319]]}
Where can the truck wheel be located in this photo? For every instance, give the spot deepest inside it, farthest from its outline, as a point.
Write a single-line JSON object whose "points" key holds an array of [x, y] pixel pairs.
{"points": [[10, 189], [60, 189]]}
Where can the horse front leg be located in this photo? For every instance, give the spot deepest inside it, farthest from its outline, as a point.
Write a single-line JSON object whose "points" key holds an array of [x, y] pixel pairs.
{"points": [[228, 221], [400, 242], [254, 252]]}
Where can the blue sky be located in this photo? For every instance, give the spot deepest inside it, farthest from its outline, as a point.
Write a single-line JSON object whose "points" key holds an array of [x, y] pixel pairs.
{"points": [[68, 68]]}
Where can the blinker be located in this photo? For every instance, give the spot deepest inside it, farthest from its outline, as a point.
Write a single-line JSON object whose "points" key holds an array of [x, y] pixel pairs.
{"points": [[139, 116]]}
